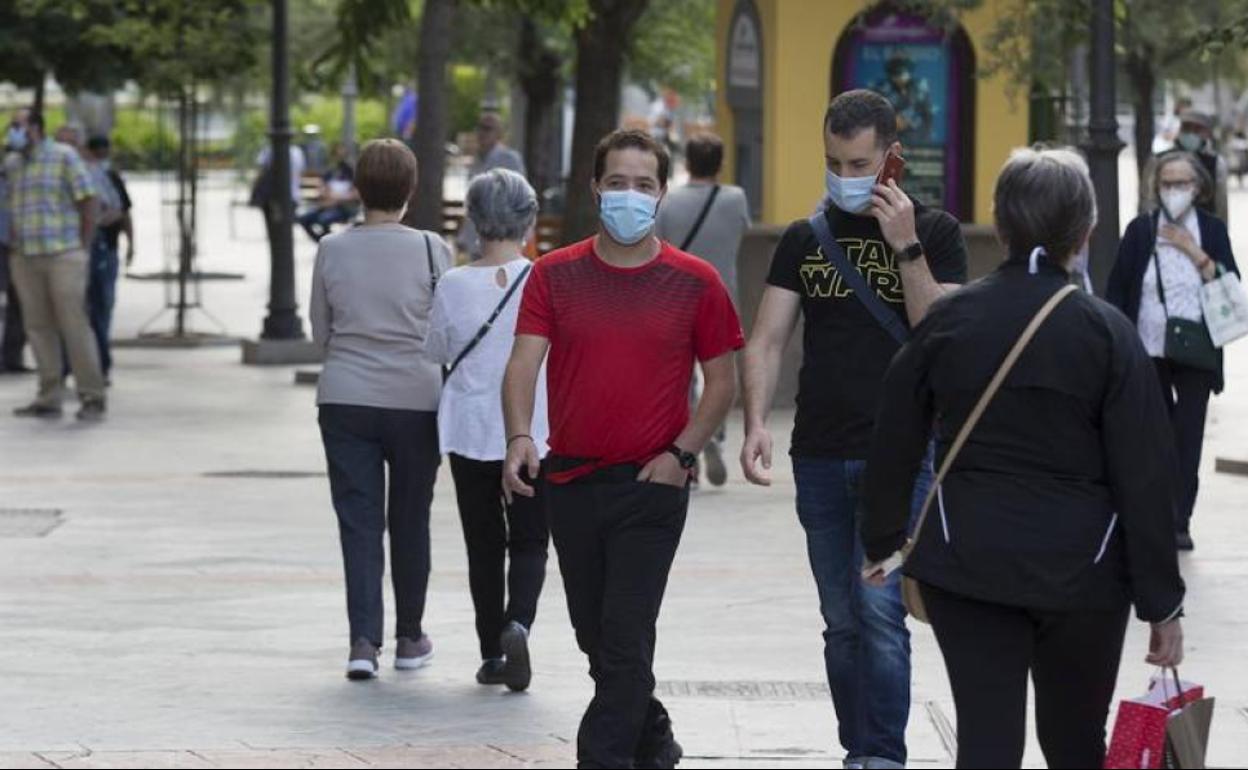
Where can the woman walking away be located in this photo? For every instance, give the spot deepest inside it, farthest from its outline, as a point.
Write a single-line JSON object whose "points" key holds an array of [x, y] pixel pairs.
{"points": [[1190, 247], [372, 292], [1053, 509], [473, 328]]}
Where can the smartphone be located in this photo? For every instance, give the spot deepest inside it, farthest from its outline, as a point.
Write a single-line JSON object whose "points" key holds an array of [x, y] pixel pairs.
{"points": [[886, 567], [894, 167]]}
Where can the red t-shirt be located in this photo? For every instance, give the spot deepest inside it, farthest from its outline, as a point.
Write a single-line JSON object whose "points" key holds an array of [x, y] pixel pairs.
{"points": [[622, 348]]}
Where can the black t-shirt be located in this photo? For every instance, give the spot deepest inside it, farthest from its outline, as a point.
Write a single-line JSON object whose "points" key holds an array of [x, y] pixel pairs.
{"points": [[845, 350]]}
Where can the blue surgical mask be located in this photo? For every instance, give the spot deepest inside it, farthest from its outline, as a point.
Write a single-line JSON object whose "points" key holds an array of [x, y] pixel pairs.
{"points": [[850, 194], [628, 215], [1190, 141], [16, 138]]}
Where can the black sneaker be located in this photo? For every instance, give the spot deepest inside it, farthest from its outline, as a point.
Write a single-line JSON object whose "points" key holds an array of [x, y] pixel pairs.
{"points": [[658, 748], [92, 410], [1183, 541], [519, 672], [42, 411], [492, 671], [667, 757]]}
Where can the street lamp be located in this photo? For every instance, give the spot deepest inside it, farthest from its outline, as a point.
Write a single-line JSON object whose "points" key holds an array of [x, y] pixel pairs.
{"points": [[1103, 146], [283, 321]]}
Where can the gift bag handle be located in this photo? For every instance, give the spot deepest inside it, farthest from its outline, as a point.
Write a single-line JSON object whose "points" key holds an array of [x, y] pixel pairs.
{"points": [[1178, 684]]}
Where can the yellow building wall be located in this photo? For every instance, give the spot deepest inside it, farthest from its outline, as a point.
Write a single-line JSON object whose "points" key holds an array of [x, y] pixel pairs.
{"points": [[799, 39]]}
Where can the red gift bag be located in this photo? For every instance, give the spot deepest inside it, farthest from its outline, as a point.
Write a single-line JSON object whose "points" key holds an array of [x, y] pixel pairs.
{"points": [[1139, 739]]}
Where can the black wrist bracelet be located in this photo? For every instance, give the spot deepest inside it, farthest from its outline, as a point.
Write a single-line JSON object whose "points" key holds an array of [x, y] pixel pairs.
{"points": [[518, 435]]}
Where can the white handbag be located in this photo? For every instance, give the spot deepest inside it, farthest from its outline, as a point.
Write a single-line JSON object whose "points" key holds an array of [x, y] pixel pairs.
{"points": [[1225, 306]]}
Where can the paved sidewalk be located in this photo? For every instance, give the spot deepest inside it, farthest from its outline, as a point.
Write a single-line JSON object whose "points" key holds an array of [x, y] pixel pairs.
{"points": [[184, 606]]}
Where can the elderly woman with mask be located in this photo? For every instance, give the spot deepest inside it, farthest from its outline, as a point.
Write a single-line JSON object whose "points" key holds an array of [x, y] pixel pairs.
{"points": [[1163, 259]]}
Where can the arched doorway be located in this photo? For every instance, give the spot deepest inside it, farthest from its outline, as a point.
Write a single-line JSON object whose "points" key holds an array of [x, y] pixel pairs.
{"points": [[928, 72]]}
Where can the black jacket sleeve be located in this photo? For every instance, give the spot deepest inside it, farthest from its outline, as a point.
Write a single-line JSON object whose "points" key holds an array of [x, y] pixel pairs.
{"points": [[903, 429], [1118, 288], [1140, 461]]}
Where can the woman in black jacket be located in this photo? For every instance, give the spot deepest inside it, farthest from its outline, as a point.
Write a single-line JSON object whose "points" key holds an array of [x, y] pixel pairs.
{"points": [[1191, 247], [1057, 514]]}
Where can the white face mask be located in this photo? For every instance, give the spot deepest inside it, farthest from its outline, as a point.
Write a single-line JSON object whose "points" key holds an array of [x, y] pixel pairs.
{"points": [[1177, 202]]}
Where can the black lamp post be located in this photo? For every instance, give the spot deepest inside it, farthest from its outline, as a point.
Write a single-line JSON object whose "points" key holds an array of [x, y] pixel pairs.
{"points": [[1103, 145], [283, 321]]}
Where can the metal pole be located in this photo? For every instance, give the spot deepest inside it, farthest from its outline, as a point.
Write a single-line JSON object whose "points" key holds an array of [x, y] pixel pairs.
{"points": [[1103, 145], [350, 91], [283, 321]]}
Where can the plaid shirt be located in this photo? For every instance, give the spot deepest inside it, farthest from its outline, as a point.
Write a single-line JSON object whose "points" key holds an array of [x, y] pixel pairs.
{"points": [[43, 191]]}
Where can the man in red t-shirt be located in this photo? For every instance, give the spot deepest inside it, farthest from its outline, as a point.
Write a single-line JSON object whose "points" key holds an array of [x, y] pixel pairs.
{"points": [[623, 316]]}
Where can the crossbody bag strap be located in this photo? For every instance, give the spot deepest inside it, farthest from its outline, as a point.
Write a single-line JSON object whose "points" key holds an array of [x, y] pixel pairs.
{"points": [[832, 250], [489, 324], [433, 273], [1161, 289], [993, 386], [697, 224]]}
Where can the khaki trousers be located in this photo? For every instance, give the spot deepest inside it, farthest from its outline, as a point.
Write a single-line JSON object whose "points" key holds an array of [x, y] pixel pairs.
{"points": [[53, 291]]}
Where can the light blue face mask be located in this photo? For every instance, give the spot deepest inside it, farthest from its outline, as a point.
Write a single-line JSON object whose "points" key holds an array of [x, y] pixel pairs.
{"points": [[628, 215], [16, 138], [850, 194]]}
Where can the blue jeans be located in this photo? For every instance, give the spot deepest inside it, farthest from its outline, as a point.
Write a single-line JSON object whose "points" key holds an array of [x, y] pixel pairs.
{"points": [[102, 296], [866, 646]]}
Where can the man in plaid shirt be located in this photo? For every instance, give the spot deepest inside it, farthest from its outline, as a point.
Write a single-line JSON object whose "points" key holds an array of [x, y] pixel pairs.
{"points": [[50, 196]]}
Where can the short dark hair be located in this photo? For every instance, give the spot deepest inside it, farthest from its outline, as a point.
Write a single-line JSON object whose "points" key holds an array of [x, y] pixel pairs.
{"points": [[35, 118], [385, 174], [858, 110], [98, 142], [631, 138], [704, 154]]}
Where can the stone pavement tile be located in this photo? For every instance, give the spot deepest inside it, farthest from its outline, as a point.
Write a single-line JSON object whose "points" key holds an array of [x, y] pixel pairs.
{"points": [[176, 760], [281, 758], [20, 760], [561, 754], [435, 756]]}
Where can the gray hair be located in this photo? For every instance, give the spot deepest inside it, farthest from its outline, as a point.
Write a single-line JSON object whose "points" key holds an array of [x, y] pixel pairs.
{"points": [[1205, 190], [501, 205], [1044, 198]]}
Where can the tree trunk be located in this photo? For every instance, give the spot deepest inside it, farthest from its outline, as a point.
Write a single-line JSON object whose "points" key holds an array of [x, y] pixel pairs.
{"points": [[1143, 77], [39, 90], [600, 52], [541, 83], [425, 210]]}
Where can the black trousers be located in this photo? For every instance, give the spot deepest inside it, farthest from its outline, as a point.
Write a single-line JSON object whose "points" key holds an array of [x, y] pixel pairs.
{"points": [[616, 539], [1186, 392], [361, 442], [493, 531], [989, 649], [14, 330]]}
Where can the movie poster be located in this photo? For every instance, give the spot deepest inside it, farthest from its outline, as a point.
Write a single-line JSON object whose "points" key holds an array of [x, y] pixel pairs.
{"points": [[913, 65]]}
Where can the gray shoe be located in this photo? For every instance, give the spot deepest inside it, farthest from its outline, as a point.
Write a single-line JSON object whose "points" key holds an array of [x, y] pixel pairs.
{"points": [[93, 410], [716, 471], [42, 411], [362, 662], [411, 654], [519, 672]]}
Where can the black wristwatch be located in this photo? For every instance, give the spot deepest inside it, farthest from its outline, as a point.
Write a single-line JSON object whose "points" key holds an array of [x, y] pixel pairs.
{"points": [[910, 253], [686, 459]]}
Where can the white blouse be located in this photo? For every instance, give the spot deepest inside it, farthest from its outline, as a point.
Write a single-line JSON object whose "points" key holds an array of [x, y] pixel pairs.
{"points": [[470, 416], [1181, 281]]}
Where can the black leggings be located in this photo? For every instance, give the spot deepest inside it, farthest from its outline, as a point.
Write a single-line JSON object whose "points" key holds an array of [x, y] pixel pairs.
{"points": [[492, 531], [989, 649]]}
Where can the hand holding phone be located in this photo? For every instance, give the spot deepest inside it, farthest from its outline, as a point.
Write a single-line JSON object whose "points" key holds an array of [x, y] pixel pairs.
{"points": [[893, 169]]}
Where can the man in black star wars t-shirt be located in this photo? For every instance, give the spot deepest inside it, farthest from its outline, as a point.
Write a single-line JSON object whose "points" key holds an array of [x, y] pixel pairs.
{"points": [[909, 255]]}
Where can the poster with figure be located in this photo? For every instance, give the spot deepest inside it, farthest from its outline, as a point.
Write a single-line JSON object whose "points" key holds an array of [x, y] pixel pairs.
{"points": [[926, 77]]}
